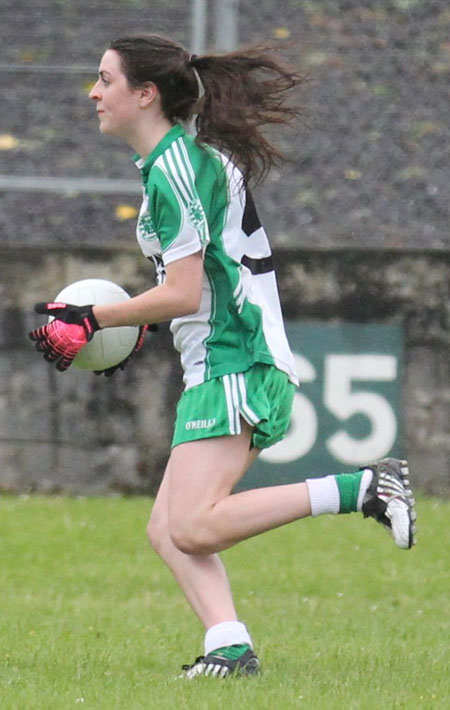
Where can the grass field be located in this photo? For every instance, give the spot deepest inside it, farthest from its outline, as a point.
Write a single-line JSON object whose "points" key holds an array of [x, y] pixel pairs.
{"points": [[90, 618]]}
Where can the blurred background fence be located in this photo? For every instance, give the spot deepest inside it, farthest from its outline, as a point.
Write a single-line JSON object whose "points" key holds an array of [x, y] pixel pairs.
{"points": [[358, 217]]}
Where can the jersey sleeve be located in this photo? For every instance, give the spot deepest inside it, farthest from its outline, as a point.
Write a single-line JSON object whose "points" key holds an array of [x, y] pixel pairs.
{"points": [[178, 215]]}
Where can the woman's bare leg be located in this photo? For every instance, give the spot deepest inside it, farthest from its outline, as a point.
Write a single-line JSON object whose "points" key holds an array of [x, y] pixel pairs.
{"points": [[202, 578], [203, 516]]}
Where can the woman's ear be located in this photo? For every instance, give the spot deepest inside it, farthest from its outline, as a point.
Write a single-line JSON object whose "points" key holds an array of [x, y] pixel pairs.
{"points": [[148, 94]]}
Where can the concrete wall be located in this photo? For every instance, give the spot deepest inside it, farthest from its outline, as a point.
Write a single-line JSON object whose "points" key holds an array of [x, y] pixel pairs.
{"points": [[82, 434]]}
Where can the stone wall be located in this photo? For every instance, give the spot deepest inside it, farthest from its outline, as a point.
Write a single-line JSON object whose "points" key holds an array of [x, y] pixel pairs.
{"points": [[81, 434]]}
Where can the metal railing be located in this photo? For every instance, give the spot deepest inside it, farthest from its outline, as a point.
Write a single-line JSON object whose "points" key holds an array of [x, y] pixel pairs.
{"points": [[225, 25], [223, 14]]}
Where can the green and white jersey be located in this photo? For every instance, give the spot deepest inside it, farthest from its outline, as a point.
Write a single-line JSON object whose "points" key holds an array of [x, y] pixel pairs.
{"points": [[194, 200]]}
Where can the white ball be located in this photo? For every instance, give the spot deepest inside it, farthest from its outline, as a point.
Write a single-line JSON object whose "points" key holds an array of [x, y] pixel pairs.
{"points": [[110, 346]]}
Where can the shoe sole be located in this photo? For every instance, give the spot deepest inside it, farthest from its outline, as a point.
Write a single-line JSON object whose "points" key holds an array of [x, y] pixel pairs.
{"points": [[402, 514]]}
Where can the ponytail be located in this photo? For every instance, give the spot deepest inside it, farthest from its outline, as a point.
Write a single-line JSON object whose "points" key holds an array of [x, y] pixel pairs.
{"points": [[245, 91], [234, 96]]}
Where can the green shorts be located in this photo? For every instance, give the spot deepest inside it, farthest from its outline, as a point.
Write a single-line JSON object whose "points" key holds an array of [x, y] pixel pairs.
{"points": [[262, 396]]}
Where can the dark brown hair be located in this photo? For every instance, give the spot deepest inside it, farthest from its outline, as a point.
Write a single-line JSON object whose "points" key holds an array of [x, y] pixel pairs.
{"points": [[244, 91]]}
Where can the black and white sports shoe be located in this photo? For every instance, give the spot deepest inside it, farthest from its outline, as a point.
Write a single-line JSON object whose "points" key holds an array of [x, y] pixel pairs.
{"points": [[389, 500], [218, 666]]}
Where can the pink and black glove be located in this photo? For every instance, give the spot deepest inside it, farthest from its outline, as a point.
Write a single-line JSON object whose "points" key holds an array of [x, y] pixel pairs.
{"points": [[60, 340]]}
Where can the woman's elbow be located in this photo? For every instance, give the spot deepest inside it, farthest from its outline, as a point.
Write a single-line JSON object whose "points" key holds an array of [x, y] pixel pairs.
{"points": [[191, 304]]}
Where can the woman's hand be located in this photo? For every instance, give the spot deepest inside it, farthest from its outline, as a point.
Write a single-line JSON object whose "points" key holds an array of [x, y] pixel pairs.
{"points": [[72, 327]]}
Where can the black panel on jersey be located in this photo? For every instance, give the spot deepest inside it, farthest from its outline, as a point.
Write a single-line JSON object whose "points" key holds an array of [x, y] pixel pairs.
{"points": [[250, 219], [258, 266]]}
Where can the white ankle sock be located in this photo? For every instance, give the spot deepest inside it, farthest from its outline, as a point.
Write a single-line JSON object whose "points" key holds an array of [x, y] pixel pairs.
{"points": [[323, 495], [228, 633]]}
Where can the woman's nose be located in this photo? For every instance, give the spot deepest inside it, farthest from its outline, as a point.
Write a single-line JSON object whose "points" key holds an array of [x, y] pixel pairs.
{"points": [[94, 93]]}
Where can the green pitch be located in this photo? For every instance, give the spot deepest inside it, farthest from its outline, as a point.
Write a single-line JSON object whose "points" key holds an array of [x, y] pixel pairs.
{"points": [[90, 618]]}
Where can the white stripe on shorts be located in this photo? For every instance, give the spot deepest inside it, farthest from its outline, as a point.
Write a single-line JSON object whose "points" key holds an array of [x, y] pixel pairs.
{"points": [[248, 413], [229, 384], [235, 397]]}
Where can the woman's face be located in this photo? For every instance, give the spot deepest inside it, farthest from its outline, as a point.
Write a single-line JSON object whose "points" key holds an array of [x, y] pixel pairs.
{"points": [[117, 103]]}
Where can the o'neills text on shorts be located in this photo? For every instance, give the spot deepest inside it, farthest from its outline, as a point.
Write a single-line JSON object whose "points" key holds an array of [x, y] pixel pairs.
{"points": [[200, 423]]}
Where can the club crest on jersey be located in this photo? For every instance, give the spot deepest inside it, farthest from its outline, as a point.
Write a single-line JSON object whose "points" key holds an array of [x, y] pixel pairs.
{"points": [[196, 214], [146, 227]]}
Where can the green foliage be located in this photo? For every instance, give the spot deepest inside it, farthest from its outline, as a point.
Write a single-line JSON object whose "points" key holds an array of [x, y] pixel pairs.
{"points": [[90, 618]]}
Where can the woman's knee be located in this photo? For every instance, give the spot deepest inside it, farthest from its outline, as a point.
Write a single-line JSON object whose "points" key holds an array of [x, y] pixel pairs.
{"points": [[191, 537], [158, 533], [185, 537]]}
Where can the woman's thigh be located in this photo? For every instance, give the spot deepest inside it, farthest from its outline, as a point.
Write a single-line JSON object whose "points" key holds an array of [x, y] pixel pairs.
{"points": [[202, 472]]}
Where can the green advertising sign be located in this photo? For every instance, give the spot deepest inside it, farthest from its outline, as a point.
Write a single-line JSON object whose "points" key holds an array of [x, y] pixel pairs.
{"points": [[347, 411]]}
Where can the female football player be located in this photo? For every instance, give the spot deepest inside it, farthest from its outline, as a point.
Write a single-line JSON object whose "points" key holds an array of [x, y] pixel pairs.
{"points": [[217, 286]]}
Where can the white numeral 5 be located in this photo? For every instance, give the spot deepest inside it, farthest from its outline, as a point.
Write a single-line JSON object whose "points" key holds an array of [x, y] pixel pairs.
{"points": [[340, 371]]}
